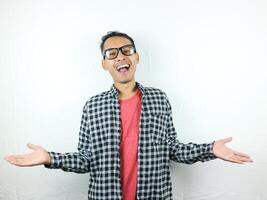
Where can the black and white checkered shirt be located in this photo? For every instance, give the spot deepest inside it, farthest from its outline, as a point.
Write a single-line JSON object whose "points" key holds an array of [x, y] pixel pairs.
{"points": [[99, 147]]}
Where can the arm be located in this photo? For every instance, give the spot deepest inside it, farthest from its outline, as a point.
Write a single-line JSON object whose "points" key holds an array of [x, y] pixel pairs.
{"points": [[191, 153], [187, 153], [75, 162], [227, 154], [39, 156], [78, 162]]}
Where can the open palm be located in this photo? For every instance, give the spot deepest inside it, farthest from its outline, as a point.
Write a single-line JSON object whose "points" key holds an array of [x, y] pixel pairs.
{"points": [[39, 156], [227, 154]]}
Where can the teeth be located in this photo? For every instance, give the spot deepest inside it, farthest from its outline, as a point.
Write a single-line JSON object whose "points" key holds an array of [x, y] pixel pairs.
{"points": [[121, 66]]}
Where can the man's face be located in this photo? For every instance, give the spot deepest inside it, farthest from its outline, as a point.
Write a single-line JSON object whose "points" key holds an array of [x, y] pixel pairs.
{"points": [[122, 68]]}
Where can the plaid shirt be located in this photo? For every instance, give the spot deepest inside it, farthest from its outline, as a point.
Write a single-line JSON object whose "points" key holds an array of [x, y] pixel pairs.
{"points": [[99, 147]]}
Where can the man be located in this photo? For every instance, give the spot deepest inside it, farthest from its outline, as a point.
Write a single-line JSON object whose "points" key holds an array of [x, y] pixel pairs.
{"points": [[127, 137]]}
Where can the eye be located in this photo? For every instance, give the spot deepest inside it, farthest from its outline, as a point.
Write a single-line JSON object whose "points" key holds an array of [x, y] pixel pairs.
{"points": [[128, 50], [111, 53]]}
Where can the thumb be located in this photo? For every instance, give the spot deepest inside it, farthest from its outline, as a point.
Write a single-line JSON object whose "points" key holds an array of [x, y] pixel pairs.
{"points": [[226, 140], [32, 146]]}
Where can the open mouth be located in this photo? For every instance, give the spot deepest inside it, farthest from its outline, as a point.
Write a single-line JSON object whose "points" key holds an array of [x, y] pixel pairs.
{"points": [[123, 68]]}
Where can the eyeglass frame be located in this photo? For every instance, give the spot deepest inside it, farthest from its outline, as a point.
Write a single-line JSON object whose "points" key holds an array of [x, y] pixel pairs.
{"points": [[119, 49]]}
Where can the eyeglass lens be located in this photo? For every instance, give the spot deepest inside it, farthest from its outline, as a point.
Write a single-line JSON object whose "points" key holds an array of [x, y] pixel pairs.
{"points": [[126, 50]]}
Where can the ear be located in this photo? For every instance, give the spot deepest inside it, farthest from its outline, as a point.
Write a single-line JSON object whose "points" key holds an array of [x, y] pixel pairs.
{"points": [[103, 65], [137, 58]]}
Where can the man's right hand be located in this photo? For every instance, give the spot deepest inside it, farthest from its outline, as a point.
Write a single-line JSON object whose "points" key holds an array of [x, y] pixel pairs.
{"points": [[39, 156]]}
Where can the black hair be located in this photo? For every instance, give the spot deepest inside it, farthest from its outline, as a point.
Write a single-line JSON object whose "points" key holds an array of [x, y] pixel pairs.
{"points": [[113, 34]]}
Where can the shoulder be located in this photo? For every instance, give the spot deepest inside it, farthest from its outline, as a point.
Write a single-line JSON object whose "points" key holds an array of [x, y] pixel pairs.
{"points": [[97, 100], [156, 93], [152, 91], [158, 98]]}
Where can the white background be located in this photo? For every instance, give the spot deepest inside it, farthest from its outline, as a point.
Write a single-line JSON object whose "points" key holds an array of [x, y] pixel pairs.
{"points": [[208, 56]]}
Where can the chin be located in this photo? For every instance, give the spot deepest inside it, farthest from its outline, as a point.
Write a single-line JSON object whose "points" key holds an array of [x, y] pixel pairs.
{"points": [[125, 81]]}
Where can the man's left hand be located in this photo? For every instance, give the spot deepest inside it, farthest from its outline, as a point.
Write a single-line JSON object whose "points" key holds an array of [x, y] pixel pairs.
{"points": [[227, 154]]}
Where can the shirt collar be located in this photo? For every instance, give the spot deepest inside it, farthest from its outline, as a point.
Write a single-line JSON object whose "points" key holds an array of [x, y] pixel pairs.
{"points": [[114, 91]]}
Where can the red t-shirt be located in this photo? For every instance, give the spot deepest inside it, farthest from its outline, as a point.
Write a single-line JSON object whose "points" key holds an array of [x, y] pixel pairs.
{"points": [[130, 117]]}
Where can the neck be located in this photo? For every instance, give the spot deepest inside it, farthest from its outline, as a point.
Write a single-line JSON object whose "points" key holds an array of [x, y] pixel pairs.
{"points": [[126, 90]]}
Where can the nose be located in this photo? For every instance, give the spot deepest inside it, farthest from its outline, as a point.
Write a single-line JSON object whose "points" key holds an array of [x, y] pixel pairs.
{"points": [[120, 56]]}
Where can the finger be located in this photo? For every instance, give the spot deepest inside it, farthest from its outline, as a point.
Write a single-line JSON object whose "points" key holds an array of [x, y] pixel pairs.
{"points": [[18, 162], [22, 161], [244, 159], [236, 160], [7, 158], [226, 140], [13, 157], [32, 146], [241, 154], [11, 160]]}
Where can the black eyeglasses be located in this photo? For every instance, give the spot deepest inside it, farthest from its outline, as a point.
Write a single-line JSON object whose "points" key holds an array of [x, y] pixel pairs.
{"points": [[112, 53]]}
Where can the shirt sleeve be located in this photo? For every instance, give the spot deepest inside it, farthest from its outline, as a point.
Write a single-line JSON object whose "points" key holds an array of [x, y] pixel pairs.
{"points": [[186, 153], [78, 162]]}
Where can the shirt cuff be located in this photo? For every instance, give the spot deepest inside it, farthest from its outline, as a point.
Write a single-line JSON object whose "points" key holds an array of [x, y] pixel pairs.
{"points": [[209, 150], [55, 162]]}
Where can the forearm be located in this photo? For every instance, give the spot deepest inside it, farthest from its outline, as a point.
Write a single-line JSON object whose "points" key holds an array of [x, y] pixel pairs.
{"points": [[77, 162], [191, 152]]}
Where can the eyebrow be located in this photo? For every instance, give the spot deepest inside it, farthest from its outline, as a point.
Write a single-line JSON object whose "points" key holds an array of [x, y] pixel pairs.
{"points": [[117, 47]]}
